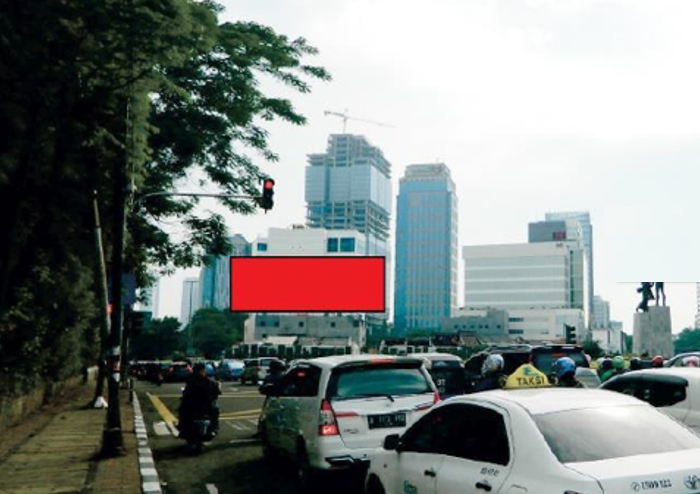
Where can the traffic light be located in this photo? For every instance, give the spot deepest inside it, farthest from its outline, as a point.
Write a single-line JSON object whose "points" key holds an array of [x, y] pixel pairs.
{"points": [[268, 191], [570, 334]]}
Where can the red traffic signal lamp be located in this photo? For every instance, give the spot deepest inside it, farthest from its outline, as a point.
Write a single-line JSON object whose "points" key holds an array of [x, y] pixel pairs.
{"points": [[268, 192]]}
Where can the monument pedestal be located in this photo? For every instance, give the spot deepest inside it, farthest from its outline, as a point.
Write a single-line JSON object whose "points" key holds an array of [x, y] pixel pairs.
{"points": [[652, 332]]}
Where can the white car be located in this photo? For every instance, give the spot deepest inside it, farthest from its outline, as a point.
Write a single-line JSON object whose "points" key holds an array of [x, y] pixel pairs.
{"points": [[540, 441], [675, 391], [333, 412]]}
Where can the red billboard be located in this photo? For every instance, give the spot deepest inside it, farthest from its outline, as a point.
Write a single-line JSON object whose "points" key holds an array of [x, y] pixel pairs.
{"points": [[308, 284]]}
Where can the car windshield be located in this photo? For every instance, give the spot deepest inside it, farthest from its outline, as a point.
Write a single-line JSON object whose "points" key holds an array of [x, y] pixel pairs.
{"points": [[595, 434], [360, 382]]}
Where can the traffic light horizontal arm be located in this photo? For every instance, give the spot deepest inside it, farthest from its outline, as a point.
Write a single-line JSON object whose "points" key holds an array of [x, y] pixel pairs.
{"points": [[194, 194]]}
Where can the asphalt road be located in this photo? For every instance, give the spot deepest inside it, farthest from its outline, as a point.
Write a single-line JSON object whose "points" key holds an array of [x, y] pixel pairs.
{"points": [[232, 463]]}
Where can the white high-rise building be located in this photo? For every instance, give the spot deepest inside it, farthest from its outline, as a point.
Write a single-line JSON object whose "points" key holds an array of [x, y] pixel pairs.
{"points": [[527, 277], [301, 241], [190, 299], [601, 313]]}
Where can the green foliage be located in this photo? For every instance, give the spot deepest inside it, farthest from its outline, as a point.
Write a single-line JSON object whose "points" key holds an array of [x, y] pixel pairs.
{"points": [[159, 340], [592, 348], [195, 110], [687, 341], [215, 331]]}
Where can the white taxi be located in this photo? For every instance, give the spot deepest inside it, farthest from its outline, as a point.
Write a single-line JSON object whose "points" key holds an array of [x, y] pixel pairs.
{"points": [[539, 441]]}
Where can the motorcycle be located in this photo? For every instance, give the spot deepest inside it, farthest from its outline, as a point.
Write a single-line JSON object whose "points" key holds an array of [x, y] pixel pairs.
{"points": [[196, 429]]}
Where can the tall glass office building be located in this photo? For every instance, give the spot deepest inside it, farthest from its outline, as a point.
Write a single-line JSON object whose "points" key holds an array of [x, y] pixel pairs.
{"points": [[349, 188], [215, 276], [584, 219], [426, 249]]}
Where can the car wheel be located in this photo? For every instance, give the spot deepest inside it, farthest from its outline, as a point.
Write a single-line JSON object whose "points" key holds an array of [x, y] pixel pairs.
{"points": [[374, 486]]}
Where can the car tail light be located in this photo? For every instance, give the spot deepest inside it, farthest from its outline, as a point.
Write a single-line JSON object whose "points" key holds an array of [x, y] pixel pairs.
{"points": [[436, 400], [327, 425]]}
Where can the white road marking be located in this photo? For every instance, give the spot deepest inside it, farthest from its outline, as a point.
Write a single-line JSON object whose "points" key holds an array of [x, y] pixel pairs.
{"points": [[244, 441], [211, 488], [235, 425], [253, 422], [173, 429], [161, 429]]}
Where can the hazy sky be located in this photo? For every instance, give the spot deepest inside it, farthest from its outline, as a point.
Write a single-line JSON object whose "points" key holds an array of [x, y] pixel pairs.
{"points": [[535, 105]]}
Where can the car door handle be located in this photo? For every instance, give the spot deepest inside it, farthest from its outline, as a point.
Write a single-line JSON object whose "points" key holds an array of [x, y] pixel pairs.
{"points": [[484, 486], [430, 472]]}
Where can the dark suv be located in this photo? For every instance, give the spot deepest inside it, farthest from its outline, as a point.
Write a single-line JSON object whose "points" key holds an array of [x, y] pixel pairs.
{"points": [[541, 356]]}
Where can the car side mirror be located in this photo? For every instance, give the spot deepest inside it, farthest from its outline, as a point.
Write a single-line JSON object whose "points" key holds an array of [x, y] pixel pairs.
{"points": [[392, 443]]}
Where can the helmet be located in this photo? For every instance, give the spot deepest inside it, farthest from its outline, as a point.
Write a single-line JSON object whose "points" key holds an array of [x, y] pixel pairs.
{"points": [[198, 367], [607, 364], [657, 361], [635, 363], [493, 363], [564, 366], [599, 361], [691, 361], [276, 366], [619, 362]]}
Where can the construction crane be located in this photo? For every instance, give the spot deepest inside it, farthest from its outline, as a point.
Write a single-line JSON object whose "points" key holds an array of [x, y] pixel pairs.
{"points": [[344, 115]]}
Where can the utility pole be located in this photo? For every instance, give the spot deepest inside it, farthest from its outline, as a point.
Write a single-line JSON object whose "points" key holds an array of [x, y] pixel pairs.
{"points": [[101, 276]]}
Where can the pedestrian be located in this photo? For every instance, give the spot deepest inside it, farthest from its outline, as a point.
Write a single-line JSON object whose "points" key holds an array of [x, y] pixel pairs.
{"points": [[635, 364], [492, 374], [566, 373], [657, 362]]}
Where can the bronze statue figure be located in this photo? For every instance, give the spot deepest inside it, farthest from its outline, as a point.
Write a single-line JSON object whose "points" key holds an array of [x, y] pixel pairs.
{"points": [[645, 290], [659, 288]]}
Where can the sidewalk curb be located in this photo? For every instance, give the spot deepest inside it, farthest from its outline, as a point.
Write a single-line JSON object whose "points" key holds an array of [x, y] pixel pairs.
{"points": [[150, 481]]}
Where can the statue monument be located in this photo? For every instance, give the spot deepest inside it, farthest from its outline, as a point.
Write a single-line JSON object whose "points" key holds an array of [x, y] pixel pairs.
{"points": [[652, 324]]}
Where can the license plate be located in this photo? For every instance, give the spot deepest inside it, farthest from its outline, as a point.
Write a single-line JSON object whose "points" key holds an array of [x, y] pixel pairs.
{"points": [[386, 420]]}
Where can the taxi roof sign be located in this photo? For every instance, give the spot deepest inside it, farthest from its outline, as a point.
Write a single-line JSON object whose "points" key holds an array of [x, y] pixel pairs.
{"points": [[526, 376]]}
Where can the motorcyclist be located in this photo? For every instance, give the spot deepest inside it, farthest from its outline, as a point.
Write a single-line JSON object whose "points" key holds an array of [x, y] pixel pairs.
{"points": [[492, 374], [619, 364], [274, 375], [199, 399], [608, 370], [565, 369], [691, 361], [635, 364], [657, 362], [604, 366]]}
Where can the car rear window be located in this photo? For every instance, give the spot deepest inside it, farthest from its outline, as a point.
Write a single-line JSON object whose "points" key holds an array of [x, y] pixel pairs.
{"points": [[377, 380], [544, 359], [604, 433], [448, 379], [251, 363]]}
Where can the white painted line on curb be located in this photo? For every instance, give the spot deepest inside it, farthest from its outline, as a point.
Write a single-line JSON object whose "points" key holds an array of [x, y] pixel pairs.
{"points": [[244, 441], [149, 472], [211, 488], [149, 487]]}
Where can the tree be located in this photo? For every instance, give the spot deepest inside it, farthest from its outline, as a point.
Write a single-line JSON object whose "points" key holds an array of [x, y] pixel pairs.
{"points": [[215, 331], [68, 72], [687, 341], [159, 340], [593, 348]]}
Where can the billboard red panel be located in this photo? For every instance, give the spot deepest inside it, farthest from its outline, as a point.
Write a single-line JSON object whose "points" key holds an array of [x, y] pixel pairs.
{"points": [[308, 284]]}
